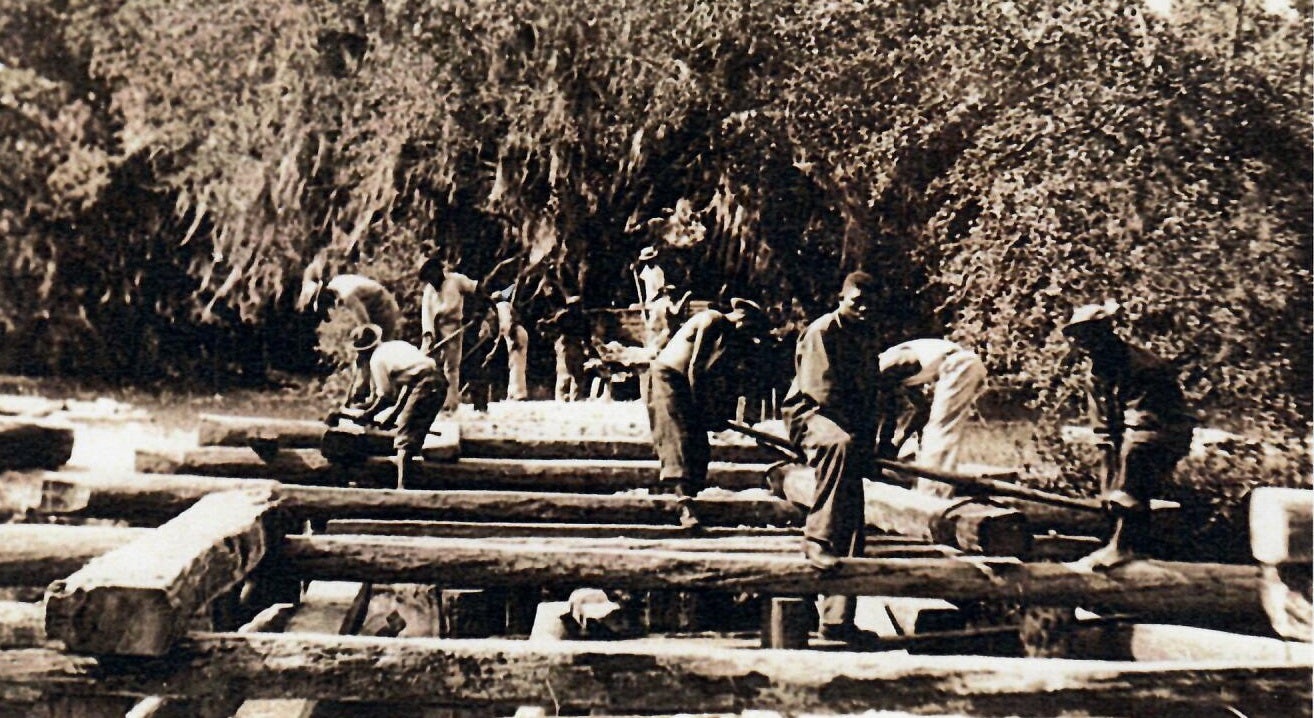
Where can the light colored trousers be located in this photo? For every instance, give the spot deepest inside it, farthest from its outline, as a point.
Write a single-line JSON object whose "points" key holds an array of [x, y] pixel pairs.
{"points": [[961, 381], [517, 357]]}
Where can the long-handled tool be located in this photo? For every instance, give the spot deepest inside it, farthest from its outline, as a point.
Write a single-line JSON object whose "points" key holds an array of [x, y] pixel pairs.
{"points": [[992, 484]]}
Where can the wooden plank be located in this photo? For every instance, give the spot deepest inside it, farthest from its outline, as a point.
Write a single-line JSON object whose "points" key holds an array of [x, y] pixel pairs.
{"points": [[478, 439], [972, 527], [308, 466], [1164, 642], [28, 444], [134, 496], [659, 677], [137, 599], [1282, 525], [1182, 591]]}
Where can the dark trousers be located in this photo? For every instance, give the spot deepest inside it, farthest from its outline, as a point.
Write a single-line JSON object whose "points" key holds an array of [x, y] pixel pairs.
{"points": [[416, 416], [836, 518], [1146, 460], [679, 431]]}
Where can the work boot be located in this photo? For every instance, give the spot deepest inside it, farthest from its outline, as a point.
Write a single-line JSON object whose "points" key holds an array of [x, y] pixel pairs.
{"points": [[818, 556], [684, 499]]}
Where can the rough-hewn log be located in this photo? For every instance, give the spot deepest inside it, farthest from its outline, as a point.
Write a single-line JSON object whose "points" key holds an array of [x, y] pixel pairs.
{"points": [[308, 466], [587, 676], [787, 622], [1152, 588], [132, 496], [349, 443], [478, 439], [487, 529], [137, 599], [27, 444], [22, 624], [974, 527], [36, 554]]}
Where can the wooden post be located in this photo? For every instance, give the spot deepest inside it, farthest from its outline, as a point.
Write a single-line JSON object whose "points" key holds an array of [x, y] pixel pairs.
{"points": [[137, 599], [787, 622], [1281, 524]]}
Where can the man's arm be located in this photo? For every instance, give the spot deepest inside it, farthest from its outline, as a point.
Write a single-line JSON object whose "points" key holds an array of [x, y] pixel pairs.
{"points": [[428, 306], [381, 394]]}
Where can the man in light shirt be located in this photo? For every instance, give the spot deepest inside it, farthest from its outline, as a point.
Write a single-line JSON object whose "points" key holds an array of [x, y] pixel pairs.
{"points": [[400, 375], [367, 300], [442, 316], [954, 377]]}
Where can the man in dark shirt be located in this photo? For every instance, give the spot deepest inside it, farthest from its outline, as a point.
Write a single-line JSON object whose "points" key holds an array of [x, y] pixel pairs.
{"points": [[1139, 411], [692, 390], [571, 347], [833, 410]]}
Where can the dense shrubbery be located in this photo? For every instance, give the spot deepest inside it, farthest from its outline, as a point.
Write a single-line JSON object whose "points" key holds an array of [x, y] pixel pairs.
{"points": [[170, 170]]}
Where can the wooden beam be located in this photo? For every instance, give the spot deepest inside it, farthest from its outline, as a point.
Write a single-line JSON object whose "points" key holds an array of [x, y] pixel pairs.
{"points": [[1121, 641], [137, 599], [308, 466], [617, 677], [1152, 588], [478, 439], [488, 529], [36, 554], [28, 444], [974, 527], [135, 496]]}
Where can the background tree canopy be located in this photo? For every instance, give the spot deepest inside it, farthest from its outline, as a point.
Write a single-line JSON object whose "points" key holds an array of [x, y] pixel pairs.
{"points": [[170, 170]]}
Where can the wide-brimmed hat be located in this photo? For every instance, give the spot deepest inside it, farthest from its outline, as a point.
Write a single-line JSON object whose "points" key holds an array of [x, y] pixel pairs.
{"points": [[366, 336], [1088, 314], [647, 253], [751, 309]]}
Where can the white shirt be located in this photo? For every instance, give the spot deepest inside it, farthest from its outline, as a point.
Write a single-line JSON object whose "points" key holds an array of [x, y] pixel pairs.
{"points": [[396, 364], [444, 307], [923, 355]]}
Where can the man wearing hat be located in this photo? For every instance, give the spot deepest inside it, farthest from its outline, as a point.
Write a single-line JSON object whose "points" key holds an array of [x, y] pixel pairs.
{"points": [[442, 313], [1138, 408], [954, 377], [368, 301], [833, 410], [650, 274], [692, 390], [570, 347], [661, 314], [403, 376]]}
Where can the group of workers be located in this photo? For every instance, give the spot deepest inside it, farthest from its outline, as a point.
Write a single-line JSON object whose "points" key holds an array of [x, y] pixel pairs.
{"points": [[852, 399]]}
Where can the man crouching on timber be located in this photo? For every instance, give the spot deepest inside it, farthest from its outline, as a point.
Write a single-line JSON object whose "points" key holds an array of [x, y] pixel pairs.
{"points": [[403, 376], [691, 392], [1137, 406]]}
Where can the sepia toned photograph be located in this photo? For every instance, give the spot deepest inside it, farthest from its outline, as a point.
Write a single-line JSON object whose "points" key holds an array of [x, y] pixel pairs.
{"points": [[656, 358]]}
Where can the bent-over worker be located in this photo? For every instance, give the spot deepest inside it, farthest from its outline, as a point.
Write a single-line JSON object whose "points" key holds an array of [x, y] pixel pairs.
{"points": [[512, 336], [954, 377], [691, 392], [1138, 408], [832, 410], [403, 377]]}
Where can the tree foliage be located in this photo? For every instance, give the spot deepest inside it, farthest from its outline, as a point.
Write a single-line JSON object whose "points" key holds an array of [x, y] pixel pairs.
{"points": [[174, 168]]}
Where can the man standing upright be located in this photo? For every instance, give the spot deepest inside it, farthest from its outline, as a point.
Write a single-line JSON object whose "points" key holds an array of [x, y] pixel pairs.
{"points": [[442, 313], [832, 410], [1138, 409], [955, 377], [691, 391], [570, 347]]}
